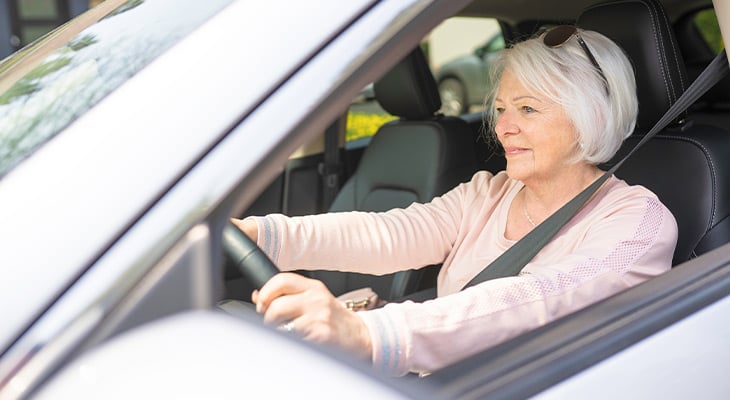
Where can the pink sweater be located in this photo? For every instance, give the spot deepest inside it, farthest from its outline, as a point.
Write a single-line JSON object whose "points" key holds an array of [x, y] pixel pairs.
{"points": [[624, 236]]}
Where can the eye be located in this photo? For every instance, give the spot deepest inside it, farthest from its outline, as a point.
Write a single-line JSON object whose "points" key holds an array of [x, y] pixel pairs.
{"points": [[498, 110], [527, 109]]}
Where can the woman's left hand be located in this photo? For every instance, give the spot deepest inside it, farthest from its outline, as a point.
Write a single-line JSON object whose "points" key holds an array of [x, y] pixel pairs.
{"points": [[307, 307]]}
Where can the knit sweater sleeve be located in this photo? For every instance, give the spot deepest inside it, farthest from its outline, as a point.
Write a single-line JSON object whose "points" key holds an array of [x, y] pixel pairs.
{"points": [[367, 242], [624, 245]]}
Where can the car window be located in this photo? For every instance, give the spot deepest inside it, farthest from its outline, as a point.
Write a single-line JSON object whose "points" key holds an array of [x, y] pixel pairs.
{"points": [[36, 18], [38, 100], [496, 44], [706, 23], [364, 118], [460, 51]]}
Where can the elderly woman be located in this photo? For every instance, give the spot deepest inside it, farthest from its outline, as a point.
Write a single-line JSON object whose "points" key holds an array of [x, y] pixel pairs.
{"points": [[564, 102]]}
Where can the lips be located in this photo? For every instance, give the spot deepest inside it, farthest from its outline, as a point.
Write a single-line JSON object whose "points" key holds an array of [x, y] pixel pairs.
{"points": [[514, 150]]}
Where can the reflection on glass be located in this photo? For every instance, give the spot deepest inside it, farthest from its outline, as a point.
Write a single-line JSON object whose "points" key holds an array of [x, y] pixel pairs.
{"points": [[33, 32], [73, 78], [37, 8]]}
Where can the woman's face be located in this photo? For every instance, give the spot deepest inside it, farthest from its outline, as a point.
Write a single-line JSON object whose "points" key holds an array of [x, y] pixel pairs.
{"points": [[538, 137]]}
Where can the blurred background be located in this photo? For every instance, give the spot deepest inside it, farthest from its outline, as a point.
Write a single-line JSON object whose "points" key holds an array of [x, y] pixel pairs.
{"points": [[22, 21]]}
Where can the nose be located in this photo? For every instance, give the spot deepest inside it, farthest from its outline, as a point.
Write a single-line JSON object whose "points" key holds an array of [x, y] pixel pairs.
{"points": [[505, 124]]}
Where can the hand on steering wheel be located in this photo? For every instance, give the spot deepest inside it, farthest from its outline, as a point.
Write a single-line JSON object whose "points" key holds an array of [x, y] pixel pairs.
{"points": [[255, 266], [303, 305]]}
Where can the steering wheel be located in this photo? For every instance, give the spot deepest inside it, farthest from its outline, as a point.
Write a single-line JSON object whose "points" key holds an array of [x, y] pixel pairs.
{"points": [[255, 266]]}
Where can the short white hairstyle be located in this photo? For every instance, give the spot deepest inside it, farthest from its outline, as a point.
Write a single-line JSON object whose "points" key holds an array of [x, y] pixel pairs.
{"points": [[603, 118]]}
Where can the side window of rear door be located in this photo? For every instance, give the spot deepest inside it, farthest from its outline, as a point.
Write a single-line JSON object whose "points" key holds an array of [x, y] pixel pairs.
{"points": [[461, 51]]}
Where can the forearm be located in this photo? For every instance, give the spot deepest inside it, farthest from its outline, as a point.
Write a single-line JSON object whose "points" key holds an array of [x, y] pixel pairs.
{"points": [[424, 337], [375, 243]]}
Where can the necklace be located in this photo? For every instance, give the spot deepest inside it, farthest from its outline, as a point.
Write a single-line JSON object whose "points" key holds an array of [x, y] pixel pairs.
{"points": [[524, 211]]}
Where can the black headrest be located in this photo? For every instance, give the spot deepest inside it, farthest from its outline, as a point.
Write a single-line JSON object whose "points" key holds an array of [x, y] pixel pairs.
{"points": [[409, 90], [642, 29]]}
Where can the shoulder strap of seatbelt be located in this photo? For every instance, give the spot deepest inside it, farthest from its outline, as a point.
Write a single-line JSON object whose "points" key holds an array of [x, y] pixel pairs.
{"points": [[511, 262]]}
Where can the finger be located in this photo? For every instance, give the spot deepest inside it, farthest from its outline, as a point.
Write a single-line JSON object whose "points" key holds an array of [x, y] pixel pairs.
{"points": [[254, 296], [342, 328], [316, 313], [289, 327], [302, 325], [306, 327], [279, 285], [286, 308], [314, 327]]}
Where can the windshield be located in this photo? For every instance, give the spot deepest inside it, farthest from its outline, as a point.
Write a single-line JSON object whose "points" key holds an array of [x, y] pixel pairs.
{"points": [[39, 98]]}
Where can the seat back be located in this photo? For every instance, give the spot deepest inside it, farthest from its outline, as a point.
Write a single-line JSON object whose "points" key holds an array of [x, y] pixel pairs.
{"points": [[412, 159], [688, 164]]}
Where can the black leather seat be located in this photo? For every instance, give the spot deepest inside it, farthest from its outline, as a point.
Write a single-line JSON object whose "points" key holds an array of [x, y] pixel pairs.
{"points": [[688, 164], [412, 159]]}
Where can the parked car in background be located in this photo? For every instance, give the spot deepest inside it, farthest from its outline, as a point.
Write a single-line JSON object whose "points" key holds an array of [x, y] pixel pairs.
{"points": [[463, 82], [131, 135]]}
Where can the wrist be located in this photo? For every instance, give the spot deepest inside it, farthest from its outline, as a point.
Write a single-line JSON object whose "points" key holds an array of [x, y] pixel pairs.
{"points": [[364, 348]]}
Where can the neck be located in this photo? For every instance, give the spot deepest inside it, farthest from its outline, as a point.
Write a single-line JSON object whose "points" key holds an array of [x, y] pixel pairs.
{"points": [[542, 198]]}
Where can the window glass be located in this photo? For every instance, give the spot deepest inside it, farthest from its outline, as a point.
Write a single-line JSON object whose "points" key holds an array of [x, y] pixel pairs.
{"points": [[33, 32], [706, 23], [460, 51], [39, 98], [364, 118], [38, 9], [496, 44]]}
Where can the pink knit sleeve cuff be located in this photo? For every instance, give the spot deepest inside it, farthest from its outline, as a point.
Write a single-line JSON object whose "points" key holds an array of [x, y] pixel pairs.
{"points": [[388, 337], [269, 239]]}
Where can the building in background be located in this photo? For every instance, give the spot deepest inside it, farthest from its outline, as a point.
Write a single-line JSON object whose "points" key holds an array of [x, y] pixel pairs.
{"points": [[22, 21]]}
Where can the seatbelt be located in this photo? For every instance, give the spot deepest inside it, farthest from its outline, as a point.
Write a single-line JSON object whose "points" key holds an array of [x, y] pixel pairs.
{"points": [[511, 262]]}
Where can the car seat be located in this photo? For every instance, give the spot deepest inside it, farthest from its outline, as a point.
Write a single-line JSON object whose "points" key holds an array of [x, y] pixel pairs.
{"points": [[420, 155], [687, 164]]}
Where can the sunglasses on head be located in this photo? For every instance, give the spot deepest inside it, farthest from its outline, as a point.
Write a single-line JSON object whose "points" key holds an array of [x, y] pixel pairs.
{"points": [[557, 36]]}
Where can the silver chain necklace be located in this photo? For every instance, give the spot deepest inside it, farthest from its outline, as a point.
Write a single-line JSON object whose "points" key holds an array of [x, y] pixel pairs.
{"points": [[524, 211]]}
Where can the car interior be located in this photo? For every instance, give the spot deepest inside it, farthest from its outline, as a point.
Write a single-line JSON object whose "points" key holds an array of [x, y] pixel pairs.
{"points": [[422, 153], [414, 158]]}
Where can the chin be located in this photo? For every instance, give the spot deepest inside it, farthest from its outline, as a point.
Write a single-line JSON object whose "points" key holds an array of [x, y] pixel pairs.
{"points": [[517, 173]]}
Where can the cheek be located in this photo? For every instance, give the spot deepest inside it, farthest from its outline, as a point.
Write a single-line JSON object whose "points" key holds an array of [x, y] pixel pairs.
{"points": [[563, 142]]}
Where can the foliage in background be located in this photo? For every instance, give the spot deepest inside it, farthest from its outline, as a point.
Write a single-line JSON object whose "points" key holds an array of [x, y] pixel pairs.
{"points": [[360, 125], [706, 23], [130, 4]]}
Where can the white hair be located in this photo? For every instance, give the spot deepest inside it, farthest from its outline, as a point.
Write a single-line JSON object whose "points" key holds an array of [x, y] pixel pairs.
{"points": [[603, 118]]}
